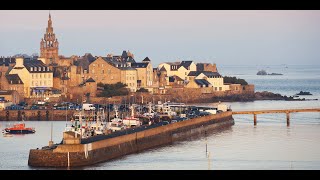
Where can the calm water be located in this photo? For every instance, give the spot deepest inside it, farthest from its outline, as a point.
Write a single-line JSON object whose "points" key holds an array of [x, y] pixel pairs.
{"points": [[269, 145]]}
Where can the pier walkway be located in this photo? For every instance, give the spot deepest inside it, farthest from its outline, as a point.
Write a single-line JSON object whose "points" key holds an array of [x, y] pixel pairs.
{"points": [[286, 111]]}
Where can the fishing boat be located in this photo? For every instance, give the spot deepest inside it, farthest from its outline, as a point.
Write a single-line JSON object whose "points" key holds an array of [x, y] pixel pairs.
{"points": [[131, 121], [116, 123]]}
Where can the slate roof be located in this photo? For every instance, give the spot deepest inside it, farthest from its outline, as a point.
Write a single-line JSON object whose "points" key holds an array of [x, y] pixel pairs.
{"points": [[139, 65], [7, 61], [186, 64], [146, 59], [207, 73], [175, 78], [202, 82], [163, 69], [13, 79], [36, 67], [126, 68], [90, 80]]}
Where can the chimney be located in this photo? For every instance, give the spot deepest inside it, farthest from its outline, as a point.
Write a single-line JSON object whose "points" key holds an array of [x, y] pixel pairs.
{"points": [[19, 62]]}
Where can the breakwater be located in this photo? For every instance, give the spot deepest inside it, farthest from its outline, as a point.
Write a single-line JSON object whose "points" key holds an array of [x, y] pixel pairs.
{"points": [[74, 153]]}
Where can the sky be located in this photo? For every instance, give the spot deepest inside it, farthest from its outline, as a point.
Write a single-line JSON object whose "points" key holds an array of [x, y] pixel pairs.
{"points": [[243, 37]]}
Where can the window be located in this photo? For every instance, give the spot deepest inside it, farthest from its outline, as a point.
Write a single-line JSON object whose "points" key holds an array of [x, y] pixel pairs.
{"points": [[44, 75], [109, 71], [220, 88], [31, 68], [35, 68], [48, 69], [93, 65], [102, 71], [92, 71], [111, 77], [40, 75], [102, 65], [44, 68]]}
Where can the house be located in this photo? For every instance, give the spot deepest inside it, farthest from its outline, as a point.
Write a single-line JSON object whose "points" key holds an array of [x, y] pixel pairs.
{"points": [[144, 72], [36, 77], [10, 96]]}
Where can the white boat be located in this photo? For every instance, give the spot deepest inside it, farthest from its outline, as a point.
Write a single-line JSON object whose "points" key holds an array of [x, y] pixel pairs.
{"points": [[116, 123], [131, 121]]}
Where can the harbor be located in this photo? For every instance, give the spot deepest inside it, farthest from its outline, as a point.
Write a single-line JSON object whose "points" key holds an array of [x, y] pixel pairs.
{"points": [[78, 149]]}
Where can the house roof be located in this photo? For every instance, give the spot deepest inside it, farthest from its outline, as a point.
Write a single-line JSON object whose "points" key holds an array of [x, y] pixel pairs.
{"points": [[163, 69], [139, 65], [146, 59], [207, 73], [186, 64], [126, 68], [194, 73], [202, 82], [175, 78], [90, 80], [7, 61], [13, 79], [36, 66], [211, 74]]}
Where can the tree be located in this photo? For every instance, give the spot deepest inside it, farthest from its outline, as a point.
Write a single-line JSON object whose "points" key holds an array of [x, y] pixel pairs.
{"points": [[142, 90], [109, 90], [234, 80]]}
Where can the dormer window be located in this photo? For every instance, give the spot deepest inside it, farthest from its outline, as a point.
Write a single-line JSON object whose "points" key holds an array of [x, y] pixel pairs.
{"points": [[48, 69], [44, 68], [31, 69], [35, 68]]}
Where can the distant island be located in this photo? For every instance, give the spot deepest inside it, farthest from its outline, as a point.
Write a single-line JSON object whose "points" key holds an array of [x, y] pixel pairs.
{"points": [[263, 72], [304, 93]]}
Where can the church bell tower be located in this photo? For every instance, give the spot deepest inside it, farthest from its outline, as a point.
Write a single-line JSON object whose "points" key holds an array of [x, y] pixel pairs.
{"points": [[49, 45]]}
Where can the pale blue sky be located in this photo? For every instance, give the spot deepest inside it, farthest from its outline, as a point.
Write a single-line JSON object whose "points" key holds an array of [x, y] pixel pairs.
{"points": [[222, 37]]}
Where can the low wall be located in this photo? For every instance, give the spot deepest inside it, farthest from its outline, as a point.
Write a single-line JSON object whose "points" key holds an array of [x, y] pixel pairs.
{"points": [[103, 150], [35, 115]]}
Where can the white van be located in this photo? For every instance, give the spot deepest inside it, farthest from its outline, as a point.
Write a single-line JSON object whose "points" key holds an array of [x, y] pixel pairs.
{"points": [[88, 107]]}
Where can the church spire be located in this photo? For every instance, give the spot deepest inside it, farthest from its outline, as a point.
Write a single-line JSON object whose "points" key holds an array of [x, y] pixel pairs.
{"points": [[49, 45]]}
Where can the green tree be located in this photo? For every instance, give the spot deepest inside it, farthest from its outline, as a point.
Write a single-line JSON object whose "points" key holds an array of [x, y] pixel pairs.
{"points": [[234, 80], [142, 90], [109, 90]]}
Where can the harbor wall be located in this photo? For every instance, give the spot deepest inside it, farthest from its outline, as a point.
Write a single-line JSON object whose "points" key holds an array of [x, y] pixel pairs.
{"points": [[35, 115], [104, 150]]}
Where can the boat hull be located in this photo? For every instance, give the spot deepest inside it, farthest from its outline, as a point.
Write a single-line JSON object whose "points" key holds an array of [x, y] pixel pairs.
{"points": [[20, 131], [103, 150]]}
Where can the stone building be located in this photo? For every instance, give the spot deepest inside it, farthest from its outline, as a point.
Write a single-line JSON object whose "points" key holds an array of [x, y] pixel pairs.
{"points": [[129, 77], [13, 82], [103, 71], [145, 73]]}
